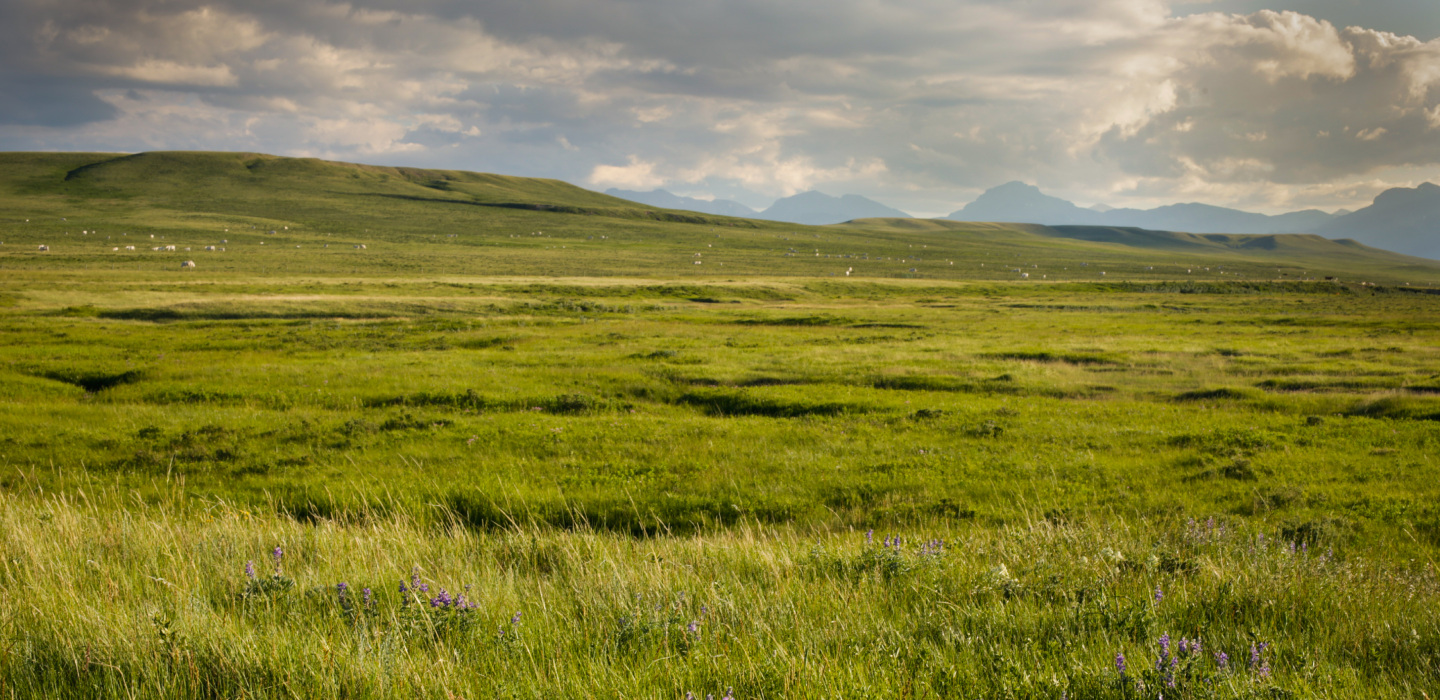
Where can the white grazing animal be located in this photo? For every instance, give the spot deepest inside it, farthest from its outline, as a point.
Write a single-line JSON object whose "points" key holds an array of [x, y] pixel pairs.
{"points": [[44, 247], [187, 263], [1024, 275], [209, 247]]}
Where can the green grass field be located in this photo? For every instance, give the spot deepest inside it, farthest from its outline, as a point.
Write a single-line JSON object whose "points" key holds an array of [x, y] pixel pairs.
{"points": [[671, 471]]}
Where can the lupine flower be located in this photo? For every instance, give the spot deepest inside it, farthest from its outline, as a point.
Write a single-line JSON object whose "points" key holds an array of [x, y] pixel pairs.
{"points": [[515, 619], [729, 694], [403, 589], [1222, 660], [250, 569], [870, 536], [1257, 662], [365, 595], [693, 627], [277, 554], [1184, 646], [441, 601], [341, 587], [1120, 663], [1159, 594]]}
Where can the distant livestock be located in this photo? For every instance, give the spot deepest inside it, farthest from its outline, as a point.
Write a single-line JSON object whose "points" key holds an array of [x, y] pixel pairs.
{"points": [[129, 247], [1024, 275], [209, 247], [360, 247], [187, 263], [44, 248]]}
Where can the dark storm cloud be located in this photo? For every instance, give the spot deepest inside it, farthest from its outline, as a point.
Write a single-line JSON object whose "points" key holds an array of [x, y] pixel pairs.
{"points": [[928, 100]]}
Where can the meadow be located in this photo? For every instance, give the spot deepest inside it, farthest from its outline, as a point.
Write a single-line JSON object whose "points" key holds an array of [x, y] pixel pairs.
{"points": [[521, 444]]}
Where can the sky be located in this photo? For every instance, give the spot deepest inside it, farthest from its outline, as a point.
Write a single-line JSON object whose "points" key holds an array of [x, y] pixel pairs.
{"points": [[920, 104]]}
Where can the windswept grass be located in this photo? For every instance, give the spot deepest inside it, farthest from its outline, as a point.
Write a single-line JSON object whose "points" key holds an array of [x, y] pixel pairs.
{"points": [[108, 600]]}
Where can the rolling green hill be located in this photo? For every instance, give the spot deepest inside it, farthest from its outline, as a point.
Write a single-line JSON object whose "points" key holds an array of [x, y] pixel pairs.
{"points": [[301, 215]]}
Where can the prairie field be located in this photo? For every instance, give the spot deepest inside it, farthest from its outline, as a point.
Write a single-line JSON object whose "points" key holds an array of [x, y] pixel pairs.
{"points": [[530, 441]]}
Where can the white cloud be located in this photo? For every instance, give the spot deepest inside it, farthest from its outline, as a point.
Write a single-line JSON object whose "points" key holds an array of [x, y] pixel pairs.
{"points": [[925, 101], [637, 175]]}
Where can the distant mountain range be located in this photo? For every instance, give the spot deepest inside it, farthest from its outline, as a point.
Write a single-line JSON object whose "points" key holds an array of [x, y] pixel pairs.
{"points": [[666, 200], [1017, 201], [1403, 220], [812, 208]]}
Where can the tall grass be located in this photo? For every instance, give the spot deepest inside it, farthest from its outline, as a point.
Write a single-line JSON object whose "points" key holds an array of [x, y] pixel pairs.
{"points": [[104, 597]]}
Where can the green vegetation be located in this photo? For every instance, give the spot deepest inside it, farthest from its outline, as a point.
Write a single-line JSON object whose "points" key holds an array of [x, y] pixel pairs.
{"points": [[669, 469]]}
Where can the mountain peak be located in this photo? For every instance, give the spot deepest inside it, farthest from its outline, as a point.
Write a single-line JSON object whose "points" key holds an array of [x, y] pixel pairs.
{"points": [[1402, 219], [817, 209], [1018, 201]]}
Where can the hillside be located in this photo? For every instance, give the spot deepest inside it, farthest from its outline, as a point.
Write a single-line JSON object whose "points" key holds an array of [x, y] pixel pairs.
{"points": [[275, 215]]}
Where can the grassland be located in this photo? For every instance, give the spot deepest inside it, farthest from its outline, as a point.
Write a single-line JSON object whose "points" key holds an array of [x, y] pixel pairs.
{"points": [[669, 469]]}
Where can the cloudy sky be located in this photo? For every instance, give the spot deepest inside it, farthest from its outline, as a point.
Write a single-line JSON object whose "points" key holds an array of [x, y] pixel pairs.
{"points": [[921, 104]]}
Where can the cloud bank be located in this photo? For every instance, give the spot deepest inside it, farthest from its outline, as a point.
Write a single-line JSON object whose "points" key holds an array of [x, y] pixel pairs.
{"points": [[920, 103]]}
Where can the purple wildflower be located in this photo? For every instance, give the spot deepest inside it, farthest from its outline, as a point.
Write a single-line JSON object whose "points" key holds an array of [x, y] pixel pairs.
{"points": [[1120, 663], [365, 594], [441, 601], [870, 536], [250, 569], [1159, 595], [1222, 660], [403, 589], [341, 588], [1258, 664], [515, 619], [729, 694], [1184, 646]]}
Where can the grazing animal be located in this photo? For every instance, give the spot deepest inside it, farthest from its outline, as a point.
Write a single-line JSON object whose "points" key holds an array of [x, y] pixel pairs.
{"points": [[187, 263], [44, 247], [360, 247], [209, 247], [1024, 275]]}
